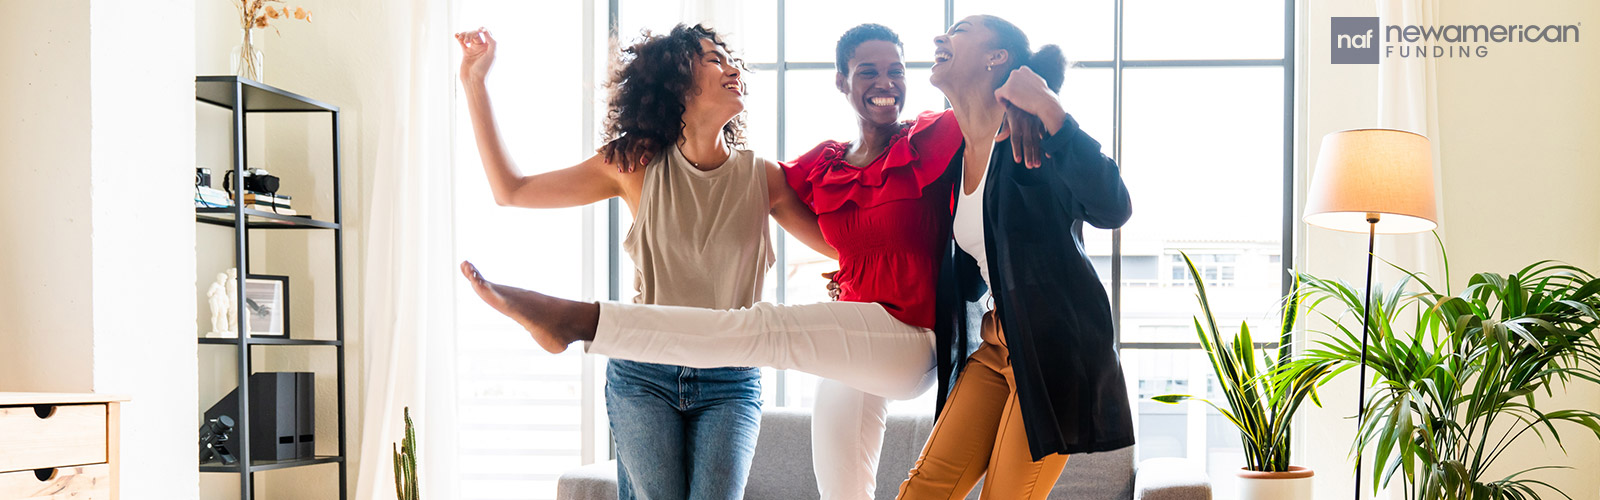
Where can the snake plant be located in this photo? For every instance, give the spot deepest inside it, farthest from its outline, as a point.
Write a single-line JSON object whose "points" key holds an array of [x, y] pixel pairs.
{"points": [[1261, 397]]}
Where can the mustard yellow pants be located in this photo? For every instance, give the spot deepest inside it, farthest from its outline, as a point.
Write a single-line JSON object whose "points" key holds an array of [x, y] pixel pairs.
{"points": [[980, 434]]}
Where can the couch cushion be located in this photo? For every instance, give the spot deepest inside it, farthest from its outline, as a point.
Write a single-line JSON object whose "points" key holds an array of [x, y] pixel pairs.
{"points": [[782, 468], [1097, 475], [590, 482], [902, 444]]}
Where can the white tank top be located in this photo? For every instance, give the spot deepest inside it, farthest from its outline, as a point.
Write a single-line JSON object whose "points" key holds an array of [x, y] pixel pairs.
{"points": [[968, 226]]}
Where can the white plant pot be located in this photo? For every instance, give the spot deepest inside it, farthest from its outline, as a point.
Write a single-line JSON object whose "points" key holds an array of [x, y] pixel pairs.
{"points": [[1292, 485]]}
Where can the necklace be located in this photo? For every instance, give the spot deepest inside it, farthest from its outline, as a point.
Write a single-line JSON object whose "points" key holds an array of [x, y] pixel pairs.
{"points": [[697, 165]]}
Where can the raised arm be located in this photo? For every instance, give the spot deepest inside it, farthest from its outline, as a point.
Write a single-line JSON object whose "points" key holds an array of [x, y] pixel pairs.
{"points": [[1100, 197], [793, 214], [578, 185]]}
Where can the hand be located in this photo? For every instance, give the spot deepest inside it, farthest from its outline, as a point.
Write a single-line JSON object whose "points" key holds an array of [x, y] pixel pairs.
{"points": [[631, 155], [1027, 91], [477, 54], [833, 286], [1027, 136]]}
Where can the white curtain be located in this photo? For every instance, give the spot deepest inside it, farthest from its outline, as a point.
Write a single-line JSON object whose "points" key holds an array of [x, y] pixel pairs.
{"points": [[1408, 100], [408, 355]]}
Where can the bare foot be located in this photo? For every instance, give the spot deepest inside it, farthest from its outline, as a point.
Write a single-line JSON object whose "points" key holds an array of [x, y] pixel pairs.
{"points": [[553, 322]]}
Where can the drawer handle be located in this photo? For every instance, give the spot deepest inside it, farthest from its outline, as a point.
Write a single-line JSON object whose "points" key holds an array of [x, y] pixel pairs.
{"points": [[44, 474], [44, 411]]}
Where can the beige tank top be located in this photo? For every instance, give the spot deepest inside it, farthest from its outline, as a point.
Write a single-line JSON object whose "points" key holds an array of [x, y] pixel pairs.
{"points": [[700, 238]]}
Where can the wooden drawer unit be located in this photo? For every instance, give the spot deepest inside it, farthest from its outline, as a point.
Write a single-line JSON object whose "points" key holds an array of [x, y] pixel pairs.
{"points": [[58, 446], [65, 435], [90, 482]]}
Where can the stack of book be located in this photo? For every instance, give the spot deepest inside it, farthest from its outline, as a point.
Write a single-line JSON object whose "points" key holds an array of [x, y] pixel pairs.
{"points": [[275, 203], [207, 197]]}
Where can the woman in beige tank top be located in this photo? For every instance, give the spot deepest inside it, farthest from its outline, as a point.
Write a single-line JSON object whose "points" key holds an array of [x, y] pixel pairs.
{"points": [[699, 239]]}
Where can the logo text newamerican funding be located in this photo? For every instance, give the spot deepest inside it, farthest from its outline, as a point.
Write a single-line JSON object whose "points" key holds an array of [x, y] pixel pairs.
{"points": [[1353, 39], [1465, 35]]}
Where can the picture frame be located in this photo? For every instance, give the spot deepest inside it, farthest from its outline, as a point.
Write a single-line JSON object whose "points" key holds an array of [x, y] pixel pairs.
{"points": [[266, 303]]}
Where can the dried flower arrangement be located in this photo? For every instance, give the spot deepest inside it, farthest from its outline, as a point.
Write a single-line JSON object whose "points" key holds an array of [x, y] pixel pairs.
{"points": [[255, 14], [261, 13]]}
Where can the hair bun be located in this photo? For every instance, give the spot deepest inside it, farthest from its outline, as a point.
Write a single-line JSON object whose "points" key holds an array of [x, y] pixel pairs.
{"points": [[1050, 64]]}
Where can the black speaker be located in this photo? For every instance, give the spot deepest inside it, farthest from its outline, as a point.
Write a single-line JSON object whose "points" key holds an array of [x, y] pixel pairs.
{"points": [[279, 411]]}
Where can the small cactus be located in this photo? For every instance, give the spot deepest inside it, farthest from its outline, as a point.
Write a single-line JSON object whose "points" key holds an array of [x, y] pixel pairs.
{"points": [[405, 464]]}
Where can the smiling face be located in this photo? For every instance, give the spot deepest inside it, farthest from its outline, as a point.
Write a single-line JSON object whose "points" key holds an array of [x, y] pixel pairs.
{"points": [[718, 85], [963, 54], [875, 82]]}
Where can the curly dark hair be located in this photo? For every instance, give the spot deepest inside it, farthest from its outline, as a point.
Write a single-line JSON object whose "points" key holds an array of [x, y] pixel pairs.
{"points": [[846, 48], [649, 86]]}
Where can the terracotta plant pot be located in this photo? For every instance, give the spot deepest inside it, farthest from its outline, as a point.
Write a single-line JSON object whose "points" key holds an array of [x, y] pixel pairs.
{"points": [[1292, 485]]}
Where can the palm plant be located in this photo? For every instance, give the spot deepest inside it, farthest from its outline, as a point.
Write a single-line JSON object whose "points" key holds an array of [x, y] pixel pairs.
{"points": [[405, 463], [1263, 397], [1454, 394]]}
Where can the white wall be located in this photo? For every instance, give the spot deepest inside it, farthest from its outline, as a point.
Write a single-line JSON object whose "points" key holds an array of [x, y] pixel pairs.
{"points": [[44, 197], [1522, 169], [1517, 147], [142, 87], [98, 264]]}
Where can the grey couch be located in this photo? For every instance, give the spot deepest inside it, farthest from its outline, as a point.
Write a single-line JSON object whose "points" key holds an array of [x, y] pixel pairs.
{"points": [[782, 468]]}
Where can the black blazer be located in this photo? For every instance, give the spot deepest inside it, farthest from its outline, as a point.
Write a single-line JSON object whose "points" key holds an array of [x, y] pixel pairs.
{"points": [[1056, 316]]}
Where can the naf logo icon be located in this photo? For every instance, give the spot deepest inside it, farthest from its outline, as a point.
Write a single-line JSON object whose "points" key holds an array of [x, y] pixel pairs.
{"points": [[1355, 40]]}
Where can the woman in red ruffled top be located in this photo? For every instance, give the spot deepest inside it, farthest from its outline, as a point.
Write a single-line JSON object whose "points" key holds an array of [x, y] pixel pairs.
{"points": [[885, 208], [882, 201]]}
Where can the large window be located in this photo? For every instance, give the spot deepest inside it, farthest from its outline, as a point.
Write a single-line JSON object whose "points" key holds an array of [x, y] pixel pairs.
{"points": [[1199, 128], [1189, 96]]}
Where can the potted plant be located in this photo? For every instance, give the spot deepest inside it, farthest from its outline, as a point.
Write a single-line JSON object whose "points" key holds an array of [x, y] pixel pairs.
{"points": [[1262, 397], [1462, 382]]}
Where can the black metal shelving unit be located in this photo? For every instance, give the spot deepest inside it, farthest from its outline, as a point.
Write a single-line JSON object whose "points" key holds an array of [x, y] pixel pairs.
{"points": [[243, 96]]}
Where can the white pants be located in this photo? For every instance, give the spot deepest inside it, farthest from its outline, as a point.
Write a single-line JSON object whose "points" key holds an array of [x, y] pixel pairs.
{"points": [[869, 356], [857, 343], [846, 439]]}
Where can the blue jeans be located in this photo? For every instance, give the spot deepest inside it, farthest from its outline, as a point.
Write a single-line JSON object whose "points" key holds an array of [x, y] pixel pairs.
{"points": [[682, 433]]}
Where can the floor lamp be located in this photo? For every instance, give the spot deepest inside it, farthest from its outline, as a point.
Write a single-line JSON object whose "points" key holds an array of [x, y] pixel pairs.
{"points": [[1372, 181]]}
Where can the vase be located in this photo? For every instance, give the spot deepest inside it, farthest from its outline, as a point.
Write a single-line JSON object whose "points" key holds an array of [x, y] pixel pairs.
{"points": [[246, 58], [1295, 484]]}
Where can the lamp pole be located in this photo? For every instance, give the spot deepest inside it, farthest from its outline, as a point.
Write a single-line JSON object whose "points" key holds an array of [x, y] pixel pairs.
{"points": [[1366, 331], [1372, 173]]}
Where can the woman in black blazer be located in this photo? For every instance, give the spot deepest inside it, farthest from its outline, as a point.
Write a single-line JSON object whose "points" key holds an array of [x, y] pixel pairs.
{"points": [[1044, 381]]}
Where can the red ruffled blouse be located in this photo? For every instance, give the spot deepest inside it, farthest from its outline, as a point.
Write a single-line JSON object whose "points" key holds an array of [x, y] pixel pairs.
{"points": [[889, 219]]}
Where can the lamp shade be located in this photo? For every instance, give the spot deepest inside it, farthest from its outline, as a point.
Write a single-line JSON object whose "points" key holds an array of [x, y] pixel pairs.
{"points": [[1373, 171]]}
